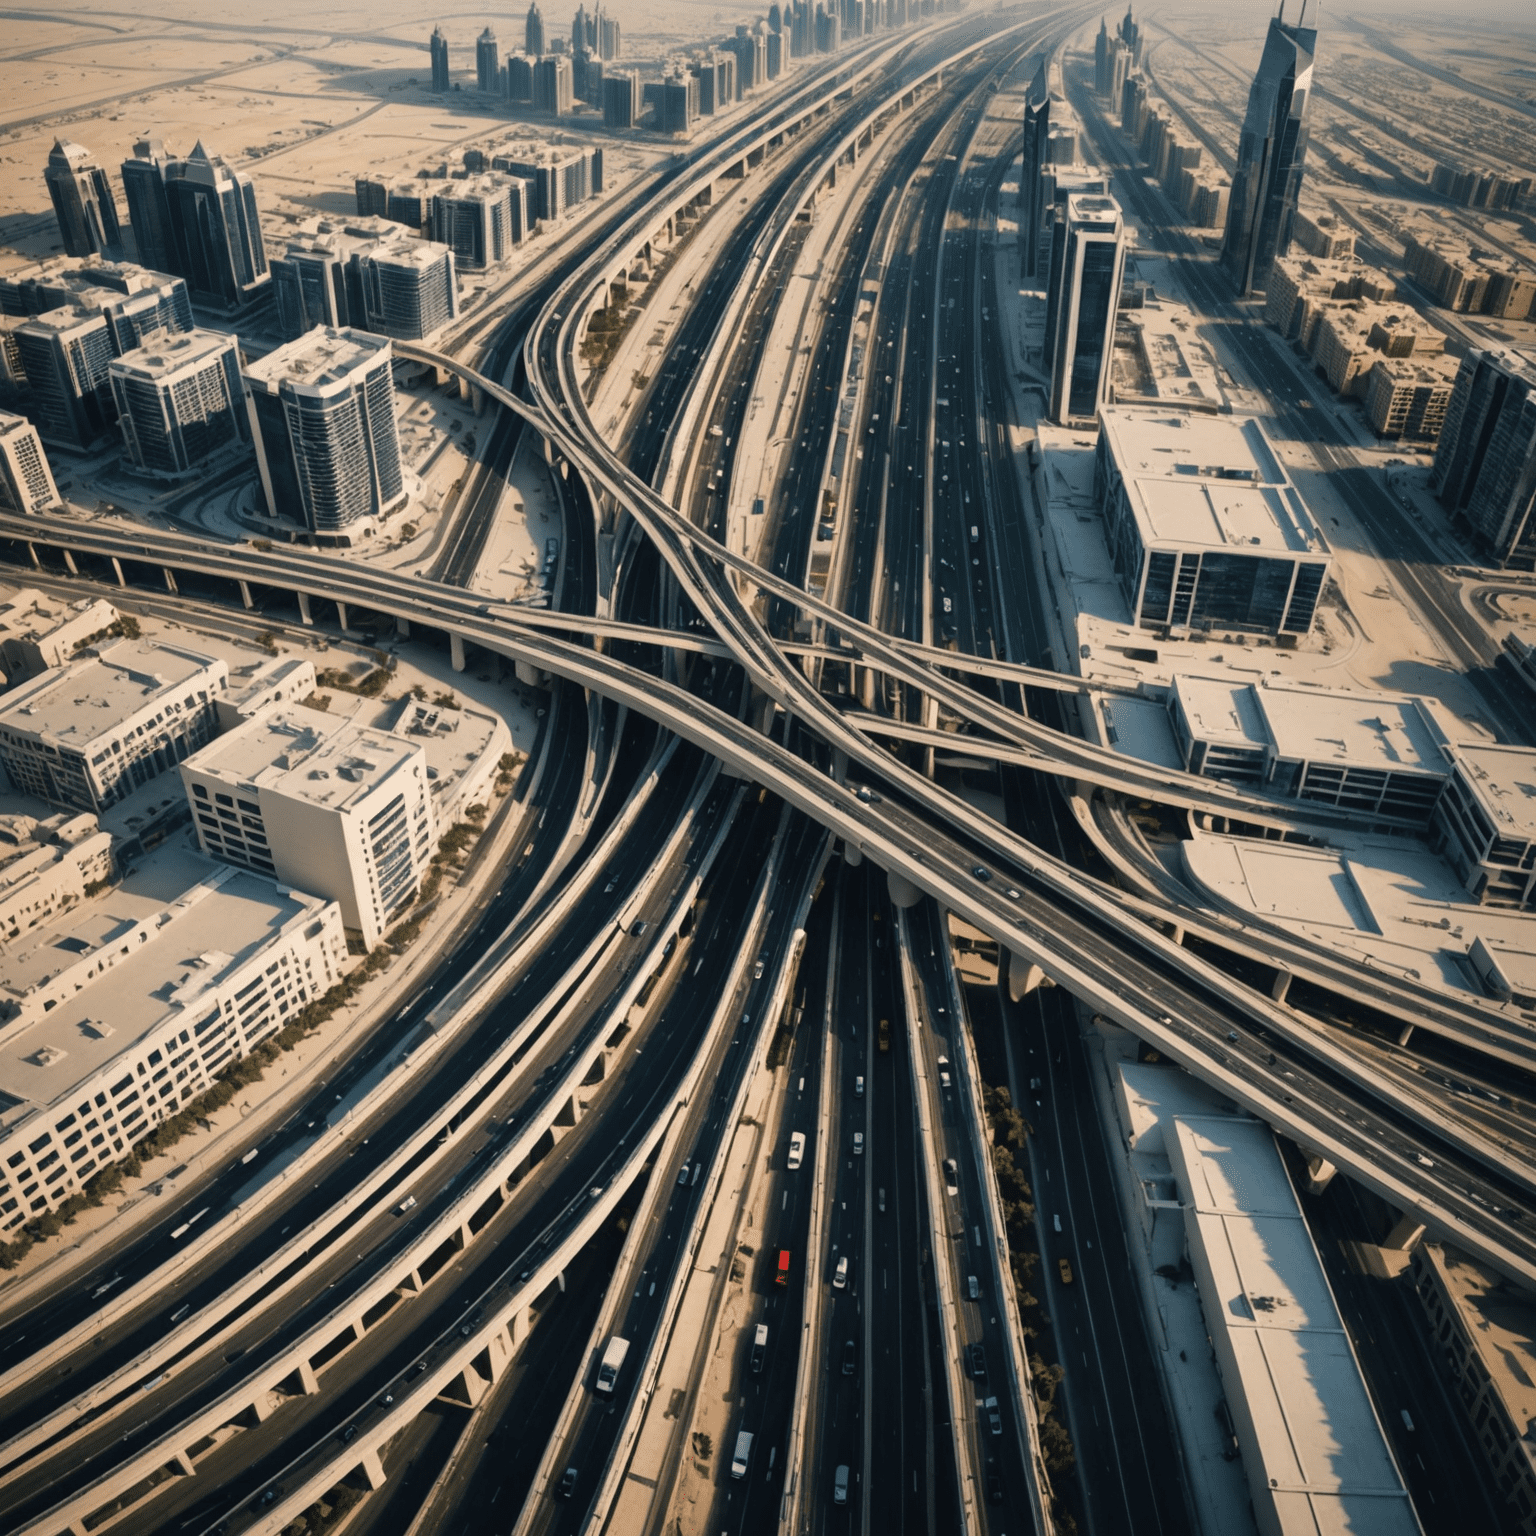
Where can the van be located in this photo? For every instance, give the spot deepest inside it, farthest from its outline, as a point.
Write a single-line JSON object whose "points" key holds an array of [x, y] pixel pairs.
{"points": [[743, 1454], [973, 1287], [796, 1151], [759, 1346], [840, 1274], [975, 533], [840, 1486]]}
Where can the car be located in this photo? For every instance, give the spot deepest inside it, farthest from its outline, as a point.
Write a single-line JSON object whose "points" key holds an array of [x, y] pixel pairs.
{"points": [[759, 1346], [609, 887], [994, 1486], [682, 1175], [981, 872], [951, 1176], [638, 930], [973, 1287], [840, 1486], [1011, 893], [796, 1151], [1232, 1037], [858, 1087], [408, 1204], [882, 1198], [567, 1483], [976, 1359], [349, 1434], [994, 1416], [757, 971], [840, 1274], [1064, 1269], [1422, 1161], [858, 1143], [949, 606], [850, 1357], [944, 1081], [866, 794], [975, 533]]}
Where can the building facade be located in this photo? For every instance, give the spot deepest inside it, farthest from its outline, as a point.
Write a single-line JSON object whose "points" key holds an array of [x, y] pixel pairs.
{"points": [[553, 87], [322, 413], [322, 804], [26, 481], [1087, 264], [89, 734], [218, 230], [1485, 823], [480, 219], [82, 202], [67, 353], [149, 208], [179, 400], [438, 44], [488, 63]]}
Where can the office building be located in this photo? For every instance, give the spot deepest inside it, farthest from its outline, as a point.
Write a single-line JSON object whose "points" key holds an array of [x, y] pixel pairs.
{"points": [[66, 353], [179, 399], [488, 63], [1351, 337], [1485, 465], [621, 100], [47, 865], [519, 78], [1408, 397], [1032, 198], [82, 202], [679, 103], [309, 284], [323, 420], [1087, 262], [218, 227], [409, 288], [105, 1037], [1379, 754], [1320, 234], [1205, 529], [39, 631], [371, 196], [26, 481], [1485, 822], [133, 301], [322, 804], [439, 46], [533, 34], [553, 88], [149, 209], [480, 219], [90, 733], [557, 179], [1271, 155], [610, 41]]}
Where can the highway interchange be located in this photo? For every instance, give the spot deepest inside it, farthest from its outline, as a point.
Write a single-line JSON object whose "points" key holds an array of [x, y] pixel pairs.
{"points": [[726, 885]]}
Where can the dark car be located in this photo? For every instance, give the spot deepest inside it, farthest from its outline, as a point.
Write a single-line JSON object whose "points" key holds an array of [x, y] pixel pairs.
{"points": [[994, 1486], [850, 1357], [567, 1483], [978, 1360]]}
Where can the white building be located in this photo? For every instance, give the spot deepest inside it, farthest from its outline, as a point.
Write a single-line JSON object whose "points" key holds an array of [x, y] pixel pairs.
{"points": [[323, 804], [261, 685], [88, 734], [26, 481], [46, 866], [123, 1010], [464, 748], [39, 630], [1485, 822], [1376, 753], [1204, 526]]}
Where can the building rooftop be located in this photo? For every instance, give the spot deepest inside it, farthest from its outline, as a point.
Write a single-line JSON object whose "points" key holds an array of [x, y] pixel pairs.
{"points": [[198, 920], [27, 614], [306, 754], [90, 698], [324, 355], [1208, 481], [1504, 781], [167, 354], [65, 318], [1322, 1459]]}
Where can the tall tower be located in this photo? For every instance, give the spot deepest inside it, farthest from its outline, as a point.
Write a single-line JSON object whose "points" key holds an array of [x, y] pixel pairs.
{"points": [[488, 63], [83, 202], [439, 45], [1101, 60], [149, 211], [1087, 262], [217, 226], [533, 33], [1270, 155], [1037, 129]]}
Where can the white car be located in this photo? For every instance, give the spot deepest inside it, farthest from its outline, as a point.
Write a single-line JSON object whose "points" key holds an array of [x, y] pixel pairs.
{"points": [[858, 1143], [796, 1150], [840, 1274]]}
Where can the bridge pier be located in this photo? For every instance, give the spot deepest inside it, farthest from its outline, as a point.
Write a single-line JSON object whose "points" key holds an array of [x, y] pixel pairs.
{"points": [[402, 627], [1281, 984], [117, 570], [1320, 1173], [853, 855], [1405, 1034], [341, 613], [69, 563], [456, 651], [373, 1471], [170, 579], [304, 612], [245, 593], [1404, 1237], [1024, 976], [32, 551], [902, 892]]}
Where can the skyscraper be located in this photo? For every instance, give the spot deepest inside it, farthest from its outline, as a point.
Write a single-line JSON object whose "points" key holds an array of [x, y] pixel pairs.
{"points": [[322, 412], [488, 63], [149, 211], [26, 482], [218, 230], [66, 353], [1037, 129], [1485, 463], [439, 46], [1271, 155], [1087, 261], [82, 202], [480, 219], [179, 399], [310, 286], [533, 33], [609, 39], [1101, 59], [409, 288], [552, 86], [519, 77], [621, 100]]}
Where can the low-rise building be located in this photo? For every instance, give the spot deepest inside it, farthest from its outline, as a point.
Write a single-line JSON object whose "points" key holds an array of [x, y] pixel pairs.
{"points": [[1351, 336], [1408, 397], [1321, 234], [1485, 822], [123, 1008], [1204, 526], [39, 630], [464, 748], [1376, 753], [1485, 1337], [46, 866], [262, 685], [322, 803], [90, 733], [26, 480], [1302, 287]]}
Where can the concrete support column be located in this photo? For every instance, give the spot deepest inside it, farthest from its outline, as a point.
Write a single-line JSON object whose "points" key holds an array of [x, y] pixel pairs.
{"points": [[170, 578], [852, 855], [1024, 975], [304, 612], [456, 651], [1405, 1034], [245, 593], [308, 1380], [117, 570], [1281, 985], [31, 550], [402, 627], [341, 613], [69, 563], [903, 893], [372, 1469], [1320, 1174], [184, 1461], [1404, 1237]]}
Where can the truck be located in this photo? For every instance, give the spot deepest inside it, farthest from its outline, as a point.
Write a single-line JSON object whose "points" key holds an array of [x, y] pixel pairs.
{"points": [[613, 1359], [743, 1454], [885, 1034]]}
